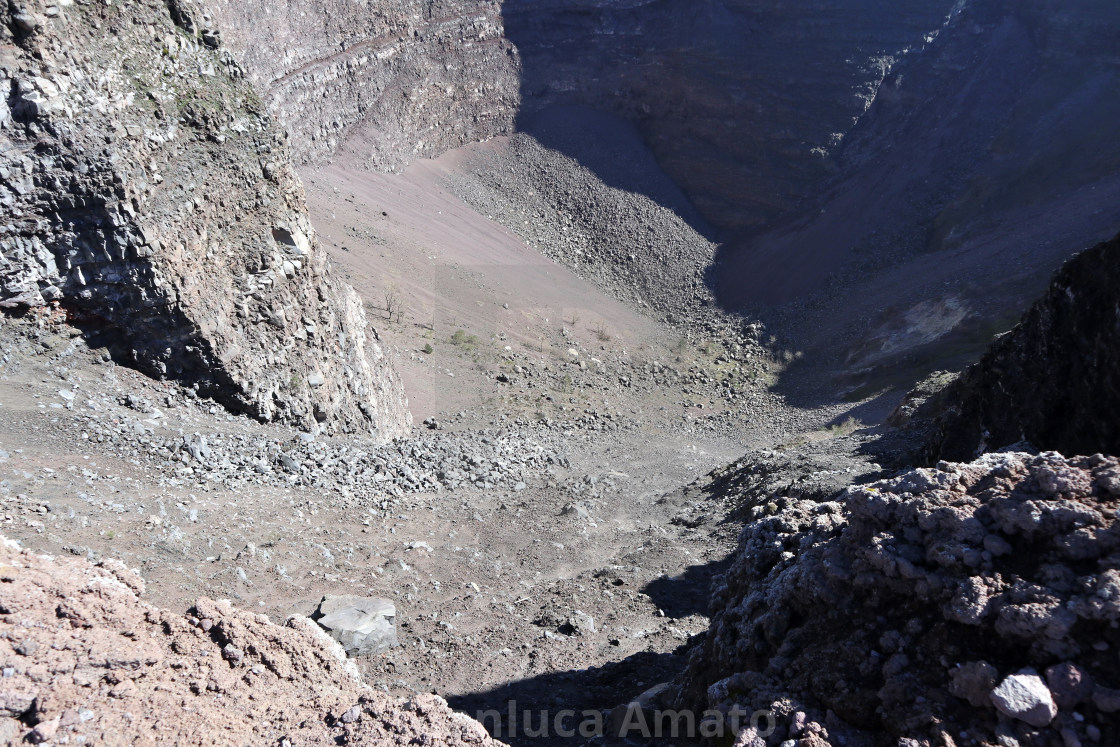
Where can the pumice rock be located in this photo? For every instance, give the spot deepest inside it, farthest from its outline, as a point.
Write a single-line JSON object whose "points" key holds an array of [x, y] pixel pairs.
{"points": [[934, 621], [1024, 696], [152, 197]]}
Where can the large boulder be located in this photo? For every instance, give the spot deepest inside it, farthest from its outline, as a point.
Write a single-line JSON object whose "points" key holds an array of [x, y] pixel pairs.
{"points": [[363, 625]]}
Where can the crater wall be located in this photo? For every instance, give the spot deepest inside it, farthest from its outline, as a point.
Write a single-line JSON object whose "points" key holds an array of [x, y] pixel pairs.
{"points": [[150, 196], [402, 80]]}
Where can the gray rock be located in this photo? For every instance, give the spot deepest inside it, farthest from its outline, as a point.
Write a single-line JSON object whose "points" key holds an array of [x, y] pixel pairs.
{"points": [[1070, 684], [1025, 697], [1106, 700], [363, 625], [197, 447], [14, 703], [973, 682], [233, 654]]}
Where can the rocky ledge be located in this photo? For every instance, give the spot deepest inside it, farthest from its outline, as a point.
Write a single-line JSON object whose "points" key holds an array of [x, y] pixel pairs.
{"points": [[1061, 360], [150, 198]]}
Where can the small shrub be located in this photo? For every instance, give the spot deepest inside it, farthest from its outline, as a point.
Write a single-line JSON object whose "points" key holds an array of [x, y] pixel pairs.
{"points": [[848, 427], [428, 348], [462, 338]]}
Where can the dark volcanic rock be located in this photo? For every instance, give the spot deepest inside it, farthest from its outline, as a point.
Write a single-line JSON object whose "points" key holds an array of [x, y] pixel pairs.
{"points": [[913, 608], [147, 193], [1053, 381]]}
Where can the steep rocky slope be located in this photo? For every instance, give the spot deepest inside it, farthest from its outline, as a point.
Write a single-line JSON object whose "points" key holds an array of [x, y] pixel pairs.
{"points": [[742, 101], [151, 197], [405, 80], [641, 250], [990, 143], [86, 661], [1051, 381], [972, 603], [985, 160]]}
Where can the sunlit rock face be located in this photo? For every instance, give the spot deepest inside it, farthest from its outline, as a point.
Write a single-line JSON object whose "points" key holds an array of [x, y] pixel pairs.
{"points": [[152, 199], [400, 79]]}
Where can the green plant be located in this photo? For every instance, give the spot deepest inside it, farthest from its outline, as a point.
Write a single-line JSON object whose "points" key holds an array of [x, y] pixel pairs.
{"points": [[462, 338], [428, 348], [848, 427]]}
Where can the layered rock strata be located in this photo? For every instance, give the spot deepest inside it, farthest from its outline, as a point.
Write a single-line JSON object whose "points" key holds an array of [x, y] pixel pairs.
{"points": [[148, 194], [402, 80], [743, 102]]}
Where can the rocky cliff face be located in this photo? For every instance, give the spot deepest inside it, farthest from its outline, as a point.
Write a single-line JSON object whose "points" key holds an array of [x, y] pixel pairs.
{"points": [[988, 144], [403, 79], [1052, 381], [149, 194], [743, 102]]}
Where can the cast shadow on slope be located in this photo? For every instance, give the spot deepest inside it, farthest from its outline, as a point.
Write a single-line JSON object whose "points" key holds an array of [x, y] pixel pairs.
{"points": [[595, 688], [614, 151], [688, 593], [984, 162], [591, 689]]}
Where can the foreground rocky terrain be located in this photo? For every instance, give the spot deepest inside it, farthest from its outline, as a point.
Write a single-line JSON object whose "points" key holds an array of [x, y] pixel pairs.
{"points": [[978, 604], [86, 662]]}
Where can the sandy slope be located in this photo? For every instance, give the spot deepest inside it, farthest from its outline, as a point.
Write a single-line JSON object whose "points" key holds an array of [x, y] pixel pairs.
{"points": [[453, 269]]}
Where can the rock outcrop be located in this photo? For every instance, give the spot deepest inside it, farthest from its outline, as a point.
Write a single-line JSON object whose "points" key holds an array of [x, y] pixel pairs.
{"points": [[977, 599], [402, 80], [1052, 381], [84, 657], [149, 194]]}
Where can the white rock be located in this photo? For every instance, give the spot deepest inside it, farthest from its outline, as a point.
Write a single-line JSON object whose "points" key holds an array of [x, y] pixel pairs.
{"points": [[1024, 696], [363, 625]]}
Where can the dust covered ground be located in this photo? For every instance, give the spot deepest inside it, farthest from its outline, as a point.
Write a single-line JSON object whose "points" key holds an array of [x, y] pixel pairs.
{"points": [[545, 533]]}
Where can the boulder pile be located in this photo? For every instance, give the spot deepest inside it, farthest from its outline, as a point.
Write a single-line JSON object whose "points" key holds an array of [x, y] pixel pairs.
{"points": [[968, 604]]}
